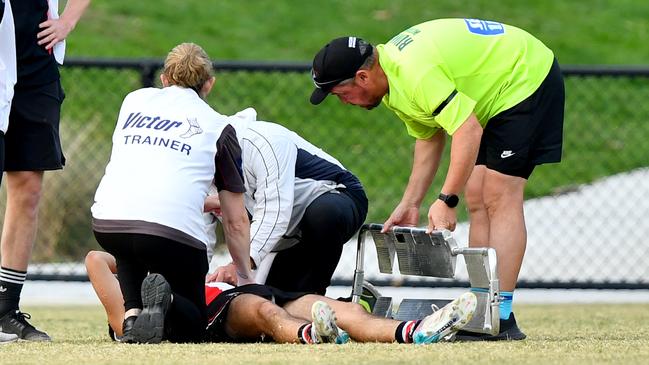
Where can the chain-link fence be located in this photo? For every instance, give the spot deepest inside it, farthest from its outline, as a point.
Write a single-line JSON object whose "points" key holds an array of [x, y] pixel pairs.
{"points": [[586, 217]]}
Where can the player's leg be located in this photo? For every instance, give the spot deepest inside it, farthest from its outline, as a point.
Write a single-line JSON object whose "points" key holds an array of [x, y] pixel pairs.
{"points": [[21, 218], [364, 327], [328, 223], [254, 312], [478, 217], [250, 317], [517, 140], [183, 268], [101, 268], [504, 197], [18, 234], [32, 145], [130, 272], [508, 235], [352, 317]]}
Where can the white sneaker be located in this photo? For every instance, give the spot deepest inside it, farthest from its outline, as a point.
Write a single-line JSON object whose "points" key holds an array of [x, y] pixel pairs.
{"points": [[7, 337], [324, 328], [446, 321]]}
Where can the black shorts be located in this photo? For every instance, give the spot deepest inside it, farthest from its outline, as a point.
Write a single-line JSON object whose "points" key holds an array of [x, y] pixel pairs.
{"points": [[32, 140], [217, 310], [528, 134]]}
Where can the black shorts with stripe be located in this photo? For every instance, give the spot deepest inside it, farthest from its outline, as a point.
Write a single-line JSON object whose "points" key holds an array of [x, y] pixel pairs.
{"points": [[217, 309], [528, 134], [32, 141]]}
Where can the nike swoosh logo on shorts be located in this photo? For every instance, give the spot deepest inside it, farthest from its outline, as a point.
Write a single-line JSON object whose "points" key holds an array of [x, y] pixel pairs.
{"points": [[506, 154]]}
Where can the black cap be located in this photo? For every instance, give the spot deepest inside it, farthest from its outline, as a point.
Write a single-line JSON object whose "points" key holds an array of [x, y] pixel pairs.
{"points": [[337, 61]]}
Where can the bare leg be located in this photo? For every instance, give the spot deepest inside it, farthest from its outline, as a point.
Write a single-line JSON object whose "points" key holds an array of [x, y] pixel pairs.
{"points": [[21, 218], [503, 195], [351, 317], [479, 219], [251, 316], [101, 268]]}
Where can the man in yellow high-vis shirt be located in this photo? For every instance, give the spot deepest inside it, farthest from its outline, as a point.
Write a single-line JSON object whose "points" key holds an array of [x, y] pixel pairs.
{"points": [[496, 90]]}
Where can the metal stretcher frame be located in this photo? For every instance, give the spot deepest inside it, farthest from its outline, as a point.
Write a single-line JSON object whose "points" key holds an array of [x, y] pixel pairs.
{"points": [[432, 255]]}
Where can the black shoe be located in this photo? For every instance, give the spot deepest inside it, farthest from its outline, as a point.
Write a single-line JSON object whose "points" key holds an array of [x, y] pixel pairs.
{"points": [[127, 326], [113, 336], [509, 331], [156, 300], [16, 322]]}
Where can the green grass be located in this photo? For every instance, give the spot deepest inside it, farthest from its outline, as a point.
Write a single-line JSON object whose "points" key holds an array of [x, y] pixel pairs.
{"points": [[605, 125], [590, 32], [565, 334]]}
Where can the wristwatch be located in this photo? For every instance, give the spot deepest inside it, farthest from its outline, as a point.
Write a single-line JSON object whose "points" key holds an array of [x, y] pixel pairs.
{"points": [[451, 199]]}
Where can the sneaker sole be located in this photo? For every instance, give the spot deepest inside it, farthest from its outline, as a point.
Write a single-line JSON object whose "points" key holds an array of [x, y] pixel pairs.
{"points": [[36, 338], [156, 300], [23, 331], [324, 321], [459, 314], [7, 338], [509, 335]]}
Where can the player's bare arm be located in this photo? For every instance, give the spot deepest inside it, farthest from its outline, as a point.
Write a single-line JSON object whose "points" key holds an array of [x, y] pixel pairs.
{"points": [[464, 151], [237, 235], [427, 155], [56, 30]]}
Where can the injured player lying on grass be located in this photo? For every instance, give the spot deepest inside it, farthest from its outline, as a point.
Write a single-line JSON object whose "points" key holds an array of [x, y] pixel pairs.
{"points": [[253, 313]]}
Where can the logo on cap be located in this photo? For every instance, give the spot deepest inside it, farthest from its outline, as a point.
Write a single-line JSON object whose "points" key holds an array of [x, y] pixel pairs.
{"points": [[337, 61], [314, 75]]}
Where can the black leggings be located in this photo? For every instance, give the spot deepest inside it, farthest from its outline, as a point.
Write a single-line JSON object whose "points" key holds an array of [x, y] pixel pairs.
{"points": [[328, 223], [184, 267]]}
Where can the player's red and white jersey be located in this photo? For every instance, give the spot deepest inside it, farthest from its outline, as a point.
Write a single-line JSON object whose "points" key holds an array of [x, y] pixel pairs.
{"points": [[213, 290]]}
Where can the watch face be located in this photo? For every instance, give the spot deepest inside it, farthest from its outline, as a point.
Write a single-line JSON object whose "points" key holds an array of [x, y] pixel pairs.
{"points": [[452, 201]]}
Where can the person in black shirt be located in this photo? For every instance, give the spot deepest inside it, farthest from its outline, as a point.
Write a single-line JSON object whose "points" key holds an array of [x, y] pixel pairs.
{"points": [[32, 145]]}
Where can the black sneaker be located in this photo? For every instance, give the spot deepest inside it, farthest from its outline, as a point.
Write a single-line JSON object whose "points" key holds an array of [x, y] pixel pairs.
{"points": [[113, 336], [509, 331], [16, 323], [127, 326], [156, 300]]}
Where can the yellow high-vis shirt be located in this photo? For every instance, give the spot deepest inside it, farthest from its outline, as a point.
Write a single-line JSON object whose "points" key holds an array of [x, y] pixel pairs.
{"points": [[441, 71]]}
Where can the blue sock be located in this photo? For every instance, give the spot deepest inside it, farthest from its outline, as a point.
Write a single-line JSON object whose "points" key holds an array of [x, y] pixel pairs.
{"points": [[506, 299]]}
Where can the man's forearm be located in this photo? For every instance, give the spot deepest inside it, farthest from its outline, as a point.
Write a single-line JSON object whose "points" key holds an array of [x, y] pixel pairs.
{"points": [[73, 11], [424, 167], [236, 228], [237, 238], [464, 152]]}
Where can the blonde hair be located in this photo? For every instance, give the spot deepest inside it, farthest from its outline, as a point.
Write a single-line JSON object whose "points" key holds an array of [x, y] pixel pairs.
{"points": [[187, 65]]}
